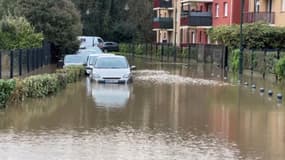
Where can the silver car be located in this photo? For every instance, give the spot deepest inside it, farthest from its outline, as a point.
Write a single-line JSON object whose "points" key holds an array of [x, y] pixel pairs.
{"points": [[91, 61], [73, 60], [112, 69]]}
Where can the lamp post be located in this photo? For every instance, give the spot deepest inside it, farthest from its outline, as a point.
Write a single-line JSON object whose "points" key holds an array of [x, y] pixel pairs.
{"points": [[241, 41]]}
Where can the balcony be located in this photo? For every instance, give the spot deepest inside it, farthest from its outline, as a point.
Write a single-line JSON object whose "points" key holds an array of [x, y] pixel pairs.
{"points": [[162, 4], [197, 1], [196, 19], [162, 23], [267, 17]]}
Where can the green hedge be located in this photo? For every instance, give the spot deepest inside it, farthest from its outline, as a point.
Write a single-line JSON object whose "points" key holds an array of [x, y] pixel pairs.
{"points": [[6, 89], [38, 86]]}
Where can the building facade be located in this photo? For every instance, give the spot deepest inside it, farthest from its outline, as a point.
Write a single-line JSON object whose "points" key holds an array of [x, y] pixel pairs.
{"points": [[184, 22], [269, 11]]}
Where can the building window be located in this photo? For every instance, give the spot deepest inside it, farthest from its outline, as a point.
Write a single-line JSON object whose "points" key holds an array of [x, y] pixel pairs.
{"points": [[217, 10], [226, 7], [283, 5]]}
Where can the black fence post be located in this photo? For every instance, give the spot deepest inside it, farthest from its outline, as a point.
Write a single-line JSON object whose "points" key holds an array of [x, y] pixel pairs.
{"points": [[156, 49], [278, 57], [20, 62], [189, 52], [168, 51], [0, 64], [252, 58], [151, 50], [11, 64], [264, 63], [162, 52], [28, 60]]}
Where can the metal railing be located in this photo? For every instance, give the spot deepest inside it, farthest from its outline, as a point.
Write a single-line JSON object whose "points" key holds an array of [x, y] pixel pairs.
{"points": [[162, 3], [196, 18], [252, 17], [22, 61], [163, 22]]}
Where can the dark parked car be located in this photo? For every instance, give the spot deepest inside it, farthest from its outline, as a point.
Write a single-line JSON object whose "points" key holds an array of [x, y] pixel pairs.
{"points": [[110, 47]]}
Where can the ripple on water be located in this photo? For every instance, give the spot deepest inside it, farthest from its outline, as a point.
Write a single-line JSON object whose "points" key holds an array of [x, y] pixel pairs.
{"points": [[115, 143], [164, 77]]}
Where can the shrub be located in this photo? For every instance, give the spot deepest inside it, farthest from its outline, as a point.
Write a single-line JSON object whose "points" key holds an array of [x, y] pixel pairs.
{"points": [[73, 73], [234, 60], [18, 94], [6, 89], [280, 68], [17, 32], [41, 85]]}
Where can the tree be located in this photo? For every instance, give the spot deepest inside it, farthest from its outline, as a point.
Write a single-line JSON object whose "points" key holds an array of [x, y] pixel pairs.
{"points": [[105, 18], [59, 21], [17, 32]]}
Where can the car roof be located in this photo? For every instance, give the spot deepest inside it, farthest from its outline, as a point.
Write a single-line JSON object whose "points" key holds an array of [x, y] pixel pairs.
{"points": [[111, 56], [104, 54]]}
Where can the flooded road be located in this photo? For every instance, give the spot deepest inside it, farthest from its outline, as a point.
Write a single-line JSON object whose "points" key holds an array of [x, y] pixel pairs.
{"points": [[170, 112]]}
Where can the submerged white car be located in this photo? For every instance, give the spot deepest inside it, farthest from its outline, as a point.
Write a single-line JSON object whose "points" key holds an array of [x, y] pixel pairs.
{"points": [[112, 69], [91, 61]]}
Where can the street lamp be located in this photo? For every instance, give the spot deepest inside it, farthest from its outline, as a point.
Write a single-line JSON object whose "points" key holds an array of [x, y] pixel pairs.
{"points": [[241, 41]]}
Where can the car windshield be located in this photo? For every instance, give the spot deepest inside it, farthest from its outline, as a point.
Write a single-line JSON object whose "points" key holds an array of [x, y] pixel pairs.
{"points": [[111, 62], [73, 59]]}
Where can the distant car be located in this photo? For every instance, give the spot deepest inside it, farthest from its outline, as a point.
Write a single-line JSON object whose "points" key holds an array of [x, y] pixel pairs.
{"points": [[91, 61], [110, 47], [73, 60], [90, 41], [112, 69], [86, 52]]}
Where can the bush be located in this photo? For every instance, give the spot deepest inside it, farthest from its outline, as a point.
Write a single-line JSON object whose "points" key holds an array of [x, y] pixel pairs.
{"points": [[234, 60], [280, 68], [17, 32], [6, 89], [41, 85], [19, 93], [73, 73]]}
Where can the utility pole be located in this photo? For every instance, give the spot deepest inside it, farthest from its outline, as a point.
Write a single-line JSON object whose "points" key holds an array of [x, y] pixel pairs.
{"points": [[241, 41]]}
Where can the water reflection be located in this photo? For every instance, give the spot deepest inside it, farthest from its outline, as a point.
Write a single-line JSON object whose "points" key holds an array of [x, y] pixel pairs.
{"points": [[110, 95], [154, 121]]}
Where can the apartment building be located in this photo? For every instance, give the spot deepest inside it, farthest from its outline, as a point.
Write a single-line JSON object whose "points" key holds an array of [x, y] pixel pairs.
{"points": [[270, 11], [187, 21]]}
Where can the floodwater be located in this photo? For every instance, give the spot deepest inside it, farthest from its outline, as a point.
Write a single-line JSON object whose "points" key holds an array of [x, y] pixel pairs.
{"points": [[170, 112]]}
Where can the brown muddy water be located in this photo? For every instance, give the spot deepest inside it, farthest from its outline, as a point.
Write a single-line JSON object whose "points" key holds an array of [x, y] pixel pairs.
{"points": [[170, 112]]}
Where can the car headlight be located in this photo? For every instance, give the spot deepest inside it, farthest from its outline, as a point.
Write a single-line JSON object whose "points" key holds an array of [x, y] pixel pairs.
{"points": [[127, 75]]}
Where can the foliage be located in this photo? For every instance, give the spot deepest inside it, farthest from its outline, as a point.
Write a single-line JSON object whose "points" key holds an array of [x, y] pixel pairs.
{"points": [[73, 73], [280, 68], [41, 85], [58, 20], [38, 86], [6, 89], [234, 60], [17, 32], [256, 36], [117, 20]]}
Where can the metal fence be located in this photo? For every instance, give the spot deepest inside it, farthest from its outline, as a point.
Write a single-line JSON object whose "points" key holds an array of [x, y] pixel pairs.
{"points": [[262, 61], [15, 63], [216, 54]]}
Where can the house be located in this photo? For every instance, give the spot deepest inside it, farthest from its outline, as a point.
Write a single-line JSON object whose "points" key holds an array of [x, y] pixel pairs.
{"points": [[183, 22]]}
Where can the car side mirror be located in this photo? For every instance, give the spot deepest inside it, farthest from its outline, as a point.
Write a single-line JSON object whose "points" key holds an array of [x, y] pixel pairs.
{"points": [[85, 64], [133, 67]]}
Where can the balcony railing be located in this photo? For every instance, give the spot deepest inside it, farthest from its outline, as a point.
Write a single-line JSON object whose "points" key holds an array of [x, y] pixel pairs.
{"points": [[163, 23], [196, 19], [162, 3], [252, 17]]}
